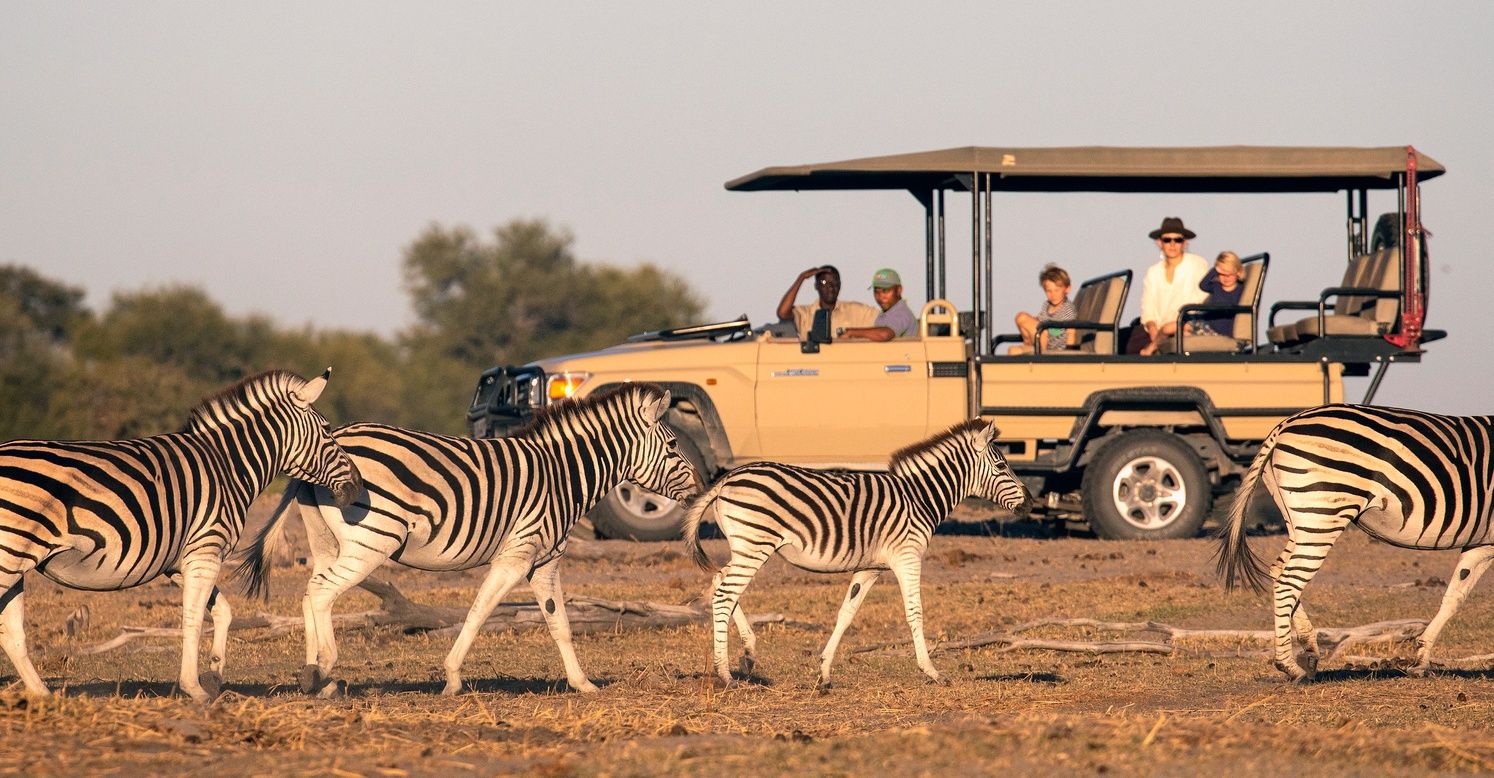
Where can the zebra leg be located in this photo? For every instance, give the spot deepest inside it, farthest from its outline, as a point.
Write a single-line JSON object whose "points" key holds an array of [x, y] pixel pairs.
{"points": [[1471, 565], [545, 580], [506, 570], [1308, 544], [198, 577], [908, 567], [861, 583], [1305, 636], [731, 582], [13, 634], [748, 662], [324, 552], [222, 614], [359, 551]]}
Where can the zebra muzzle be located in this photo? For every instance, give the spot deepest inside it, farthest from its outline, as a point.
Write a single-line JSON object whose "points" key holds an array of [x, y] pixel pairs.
{"points": [[344, 492]]}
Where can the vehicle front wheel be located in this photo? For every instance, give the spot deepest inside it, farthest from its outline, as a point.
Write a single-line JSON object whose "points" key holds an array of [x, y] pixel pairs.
{"points": [[1146, 485], [631, 512]]}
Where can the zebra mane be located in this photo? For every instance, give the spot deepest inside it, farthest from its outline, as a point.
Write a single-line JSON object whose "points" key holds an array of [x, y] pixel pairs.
{"points": [[903, 456], [238, 393], [556, 414]]}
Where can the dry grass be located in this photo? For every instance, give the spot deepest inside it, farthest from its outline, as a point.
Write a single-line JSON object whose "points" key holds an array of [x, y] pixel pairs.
{"points": [[1201, 708]]}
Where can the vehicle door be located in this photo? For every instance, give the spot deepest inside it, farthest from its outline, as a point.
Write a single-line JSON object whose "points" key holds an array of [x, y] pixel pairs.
{"points": [[851, 404]]}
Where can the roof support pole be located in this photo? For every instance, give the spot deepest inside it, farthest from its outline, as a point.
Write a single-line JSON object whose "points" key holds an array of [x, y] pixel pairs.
{"points": [[984, 311], [1357, 222], [976, 329], [939, 204], [927, 198]]}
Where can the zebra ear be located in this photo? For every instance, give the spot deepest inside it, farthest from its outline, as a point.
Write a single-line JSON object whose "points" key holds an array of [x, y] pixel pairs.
{"points": [[308, 393], [984, 436], [655, 411]]}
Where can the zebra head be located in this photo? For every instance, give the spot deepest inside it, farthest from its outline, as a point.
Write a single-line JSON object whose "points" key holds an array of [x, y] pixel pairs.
{"points": [[993, 478], [655, 462], [311, 454]]}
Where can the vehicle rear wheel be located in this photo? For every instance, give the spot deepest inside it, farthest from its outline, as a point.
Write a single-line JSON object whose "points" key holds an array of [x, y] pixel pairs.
{"points": [[631, 512], [1146, 485]]}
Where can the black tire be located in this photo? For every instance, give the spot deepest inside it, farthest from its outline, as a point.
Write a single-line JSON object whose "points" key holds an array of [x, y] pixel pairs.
{"points": [[1386, 232], [631, 512], [1146, 485]]}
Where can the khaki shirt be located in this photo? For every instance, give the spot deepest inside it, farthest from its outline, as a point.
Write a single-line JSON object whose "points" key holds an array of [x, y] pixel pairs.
{"points": [[846, 314]]}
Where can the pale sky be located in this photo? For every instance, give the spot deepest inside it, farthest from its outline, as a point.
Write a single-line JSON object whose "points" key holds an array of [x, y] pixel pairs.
{"points": [[282, 155]]}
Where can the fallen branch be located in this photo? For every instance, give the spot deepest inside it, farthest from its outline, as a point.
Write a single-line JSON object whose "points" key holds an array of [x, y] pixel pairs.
{"points": [[586, 614], [1331, 640]]}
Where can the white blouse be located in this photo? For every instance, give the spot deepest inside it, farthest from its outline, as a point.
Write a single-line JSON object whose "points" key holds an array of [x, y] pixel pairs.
{"points": [[1161, 299]]}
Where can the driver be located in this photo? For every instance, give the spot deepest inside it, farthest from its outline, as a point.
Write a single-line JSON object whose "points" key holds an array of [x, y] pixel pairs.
{"points": [[843, 314]]}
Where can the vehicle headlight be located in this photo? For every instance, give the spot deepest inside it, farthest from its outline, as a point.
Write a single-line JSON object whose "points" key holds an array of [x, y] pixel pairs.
{"points": [[563, 385]]}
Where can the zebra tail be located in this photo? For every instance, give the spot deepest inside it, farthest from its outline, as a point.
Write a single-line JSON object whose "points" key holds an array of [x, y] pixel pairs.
{"points": [[691, 527], [1235, 560], [253, 569]]}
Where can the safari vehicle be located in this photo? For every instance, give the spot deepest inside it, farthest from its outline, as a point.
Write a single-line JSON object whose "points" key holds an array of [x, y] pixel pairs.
{"points": [[1135, 447]]}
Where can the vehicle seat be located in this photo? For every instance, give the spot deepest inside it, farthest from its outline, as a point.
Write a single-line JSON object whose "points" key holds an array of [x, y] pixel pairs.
{"points": [[1253, 278], [1365, 304], [1097, 305]]}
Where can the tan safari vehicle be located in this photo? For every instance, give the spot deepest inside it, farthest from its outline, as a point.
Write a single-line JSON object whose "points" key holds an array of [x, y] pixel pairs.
{"points": [[1136, 447]]}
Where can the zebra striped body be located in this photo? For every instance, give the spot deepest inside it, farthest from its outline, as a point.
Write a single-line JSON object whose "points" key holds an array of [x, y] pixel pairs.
{"points": [[1411, 479], [105, 515], [435, 502], [846, 522]]}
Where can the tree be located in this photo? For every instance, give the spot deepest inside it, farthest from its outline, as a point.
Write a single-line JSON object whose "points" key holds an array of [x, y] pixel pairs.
{"points": [[50, 307], [522, 297], [37, 316], [526, 296], [183, 327]]}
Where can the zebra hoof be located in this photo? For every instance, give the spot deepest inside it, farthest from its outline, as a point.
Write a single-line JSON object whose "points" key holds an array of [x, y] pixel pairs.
{"points": [[212, 684], [311, 679], [823, 687], [746, 664], [1289, 669], [1308, 662], [333, 689], [585, 687]]}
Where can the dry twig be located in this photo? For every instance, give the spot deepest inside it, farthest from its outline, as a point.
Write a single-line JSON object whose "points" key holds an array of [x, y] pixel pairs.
{"points": [[586, 614]]}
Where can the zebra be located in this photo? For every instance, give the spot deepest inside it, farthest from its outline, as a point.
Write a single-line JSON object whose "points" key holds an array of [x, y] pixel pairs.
{"points": [[1409, 478], [435, 502], [840, 521], [108, 515]]}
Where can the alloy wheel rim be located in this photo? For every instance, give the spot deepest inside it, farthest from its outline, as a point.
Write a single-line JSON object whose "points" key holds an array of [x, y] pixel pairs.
{"points": [[1149, 493]]}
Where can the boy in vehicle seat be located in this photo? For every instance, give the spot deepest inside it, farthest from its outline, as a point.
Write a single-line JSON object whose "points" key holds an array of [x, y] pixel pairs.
{"points": [[1056, 307]]}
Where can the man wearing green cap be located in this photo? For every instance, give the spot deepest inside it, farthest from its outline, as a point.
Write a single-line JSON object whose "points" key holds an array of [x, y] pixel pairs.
{"points": [[896, 320]]}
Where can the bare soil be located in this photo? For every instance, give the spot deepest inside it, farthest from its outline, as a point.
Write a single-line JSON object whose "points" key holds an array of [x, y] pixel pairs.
{"points": [[1210, 705]]}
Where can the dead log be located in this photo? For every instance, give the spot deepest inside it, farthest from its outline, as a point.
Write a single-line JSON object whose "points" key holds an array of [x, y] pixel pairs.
{"points": [[1331, 640], [586, 614]]}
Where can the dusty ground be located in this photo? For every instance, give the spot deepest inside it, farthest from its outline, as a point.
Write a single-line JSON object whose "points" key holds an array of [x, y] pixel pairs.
{"points": [[1210, 705]]}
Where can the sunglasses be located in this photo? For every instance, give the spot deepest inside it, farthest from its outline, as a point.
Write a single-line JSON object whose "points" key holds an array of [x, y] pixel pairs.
{"points": [[1171, 240]]}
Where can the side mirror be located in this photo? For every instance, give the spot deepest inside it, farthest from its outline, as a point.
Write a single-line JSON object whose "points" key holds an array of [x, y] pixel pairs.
{"points": [[819, 332]]}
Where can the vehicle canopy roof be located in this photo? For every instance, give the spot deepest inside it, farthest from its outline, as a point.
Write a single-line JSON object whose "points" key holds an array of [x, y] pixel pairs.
{"points": [[1108, 169]]}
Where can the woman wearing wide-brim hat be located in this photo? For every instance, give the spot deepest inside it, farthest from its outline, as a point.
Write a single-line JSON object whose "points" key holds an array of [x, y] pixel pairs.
{"points": [[1167, 286]]}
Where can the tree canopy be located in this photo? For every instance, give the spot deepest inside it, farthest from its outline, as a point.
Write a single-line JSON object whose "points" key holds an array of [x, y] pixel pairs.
{"points": [[137, 367], [525, 295]]}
